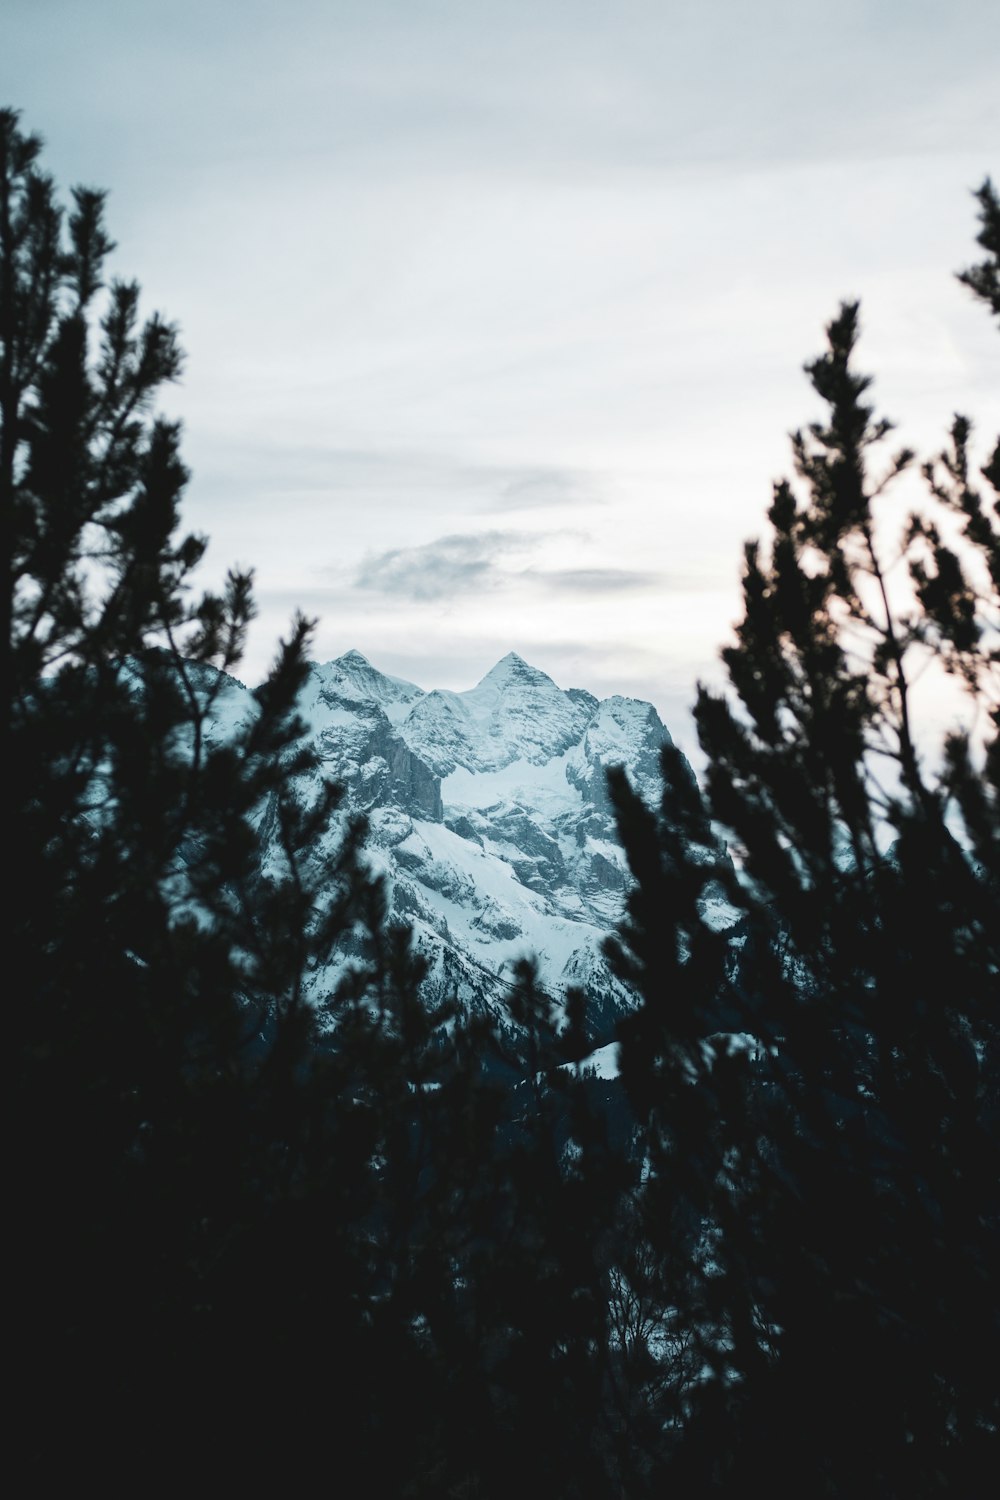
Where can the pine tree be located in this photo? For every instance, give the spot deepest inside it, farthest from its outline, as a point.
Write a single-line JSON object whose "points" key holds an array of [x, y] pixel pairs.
{"points": [[191, 1165], [238, 1242], [843, 1170]]}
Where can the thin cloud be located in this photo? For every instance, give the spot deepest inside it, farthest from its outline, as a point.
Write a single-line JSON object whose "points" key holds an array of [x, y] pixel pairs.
{"points": [[442, 568], [459, 564], [536, 489], [596, 580]]}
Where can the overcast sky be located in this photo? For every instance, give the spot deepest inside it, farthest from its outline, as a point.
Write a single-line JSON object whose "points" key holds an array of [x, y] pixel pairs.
{"points": [[495, 313]]}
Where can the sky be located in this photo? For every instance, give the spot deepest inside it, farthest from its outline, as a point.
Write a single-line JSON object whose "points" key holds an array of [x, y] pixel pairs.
{"points": [[495, 313]]}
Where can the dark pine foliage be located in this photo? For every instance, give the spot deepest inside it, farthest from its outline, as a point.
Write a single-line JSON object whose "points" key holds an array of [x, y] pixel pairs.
{"points": [[160, 1145], [233, 1241], [844, 1170]]}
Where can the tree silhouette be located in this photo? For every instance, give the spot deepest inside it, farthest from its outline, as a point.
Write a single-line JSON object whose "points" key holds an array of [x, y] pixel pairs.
{"points": [[189, 1159], [238, 1241], [843, 1165]]}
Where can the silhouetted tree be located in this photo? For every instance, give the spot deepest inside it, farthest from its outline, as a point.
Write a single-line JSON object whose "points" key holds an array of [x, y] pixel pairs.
{"points": [[236, 1239], [840, 1160], [200, 1204]]}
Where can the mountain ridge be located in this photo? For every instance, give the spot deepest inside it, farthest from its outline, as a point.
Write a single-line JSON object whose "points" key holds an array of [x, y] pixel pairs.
{"points": [[489, 820]]}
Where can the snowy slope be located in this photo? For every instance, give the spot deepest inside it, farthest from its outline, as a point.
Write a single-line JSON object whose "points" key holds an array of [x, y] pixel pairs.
{"points": [[490, 820], [515, 713]]}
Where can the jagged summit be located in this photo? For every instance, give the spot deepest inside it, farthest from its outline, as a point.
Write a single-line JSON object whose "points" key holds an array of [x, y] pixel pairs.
{"points": [[351, 679], [488, 817], [355, 667], [513, 667], [516, 712]]}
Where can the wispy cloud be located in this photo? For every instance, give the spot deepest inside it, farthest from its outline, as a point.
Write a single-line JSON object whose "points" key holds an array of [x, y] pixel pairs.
{"points": [[594, 580], [459, 564], [535, 489], [442, 568]]}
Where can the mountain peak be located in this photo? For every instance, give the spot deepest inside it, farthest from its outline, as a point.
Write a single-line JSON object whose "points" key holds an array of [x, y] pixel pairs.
{"points": [[513, 668], [351, 678], [515, 712]]}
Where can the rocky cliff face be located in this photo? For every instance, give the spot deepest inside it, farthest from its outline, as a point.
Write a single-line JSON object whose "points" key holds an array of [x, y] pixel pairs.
{"points": [[489, 819]]}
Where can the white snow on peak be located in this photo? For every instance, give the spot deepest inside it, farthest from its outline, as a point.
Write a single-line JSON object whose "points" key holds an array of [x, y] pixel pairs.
{"points": [[352, 679], [489, 817], [513, 667], [516, 712], [621, 721]]}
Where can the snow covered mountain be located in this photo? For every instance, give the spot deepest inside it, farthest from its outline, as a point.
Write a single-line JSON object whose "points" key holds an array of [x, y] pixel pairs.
{"points": [[490, 819]]}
